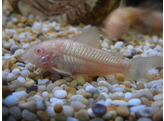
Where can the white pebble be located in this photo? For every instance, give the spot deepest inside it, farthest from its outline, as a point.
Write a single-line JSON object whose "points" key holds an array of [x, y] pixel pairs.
{"points": [[118, 89], [91, 89], [104, 45], [77, 105], [134, 102], [55, 101], [25, 73], [50, 111], [118, 45], [144, 119], [138, 49], [5, 111], [158, 96], [45, 94], [11, 100], [21, 79], [119, 102], [128, 95], [42, 87], [154, 71], [25, 46], [19, 52], [71, 119], [90, 113], [16, 71], [108, 102], [29, 116], [136, 108], [102, 89], [41, 104], [43, 81], [10, 77], [5, 72], [130, 47], [127, 52], [15, 112], [19, 94], [60, 94], [158, 48], [68, 111]]}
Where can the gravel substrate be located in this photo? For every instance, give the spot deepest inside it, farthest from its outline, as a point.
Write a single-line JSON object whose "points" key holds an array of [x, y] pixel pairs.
{"points": [[32, 94]]}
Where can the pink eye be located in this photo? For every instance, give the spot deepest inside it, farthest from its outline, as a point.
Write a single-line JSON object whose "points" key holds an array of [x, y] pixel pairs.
{"points": [[39, 50]]}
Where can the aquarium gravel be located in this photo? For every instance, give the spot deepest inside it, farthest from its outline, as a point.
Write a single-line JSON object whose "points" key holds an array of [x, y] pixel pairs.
{"points": [[30, 93]]}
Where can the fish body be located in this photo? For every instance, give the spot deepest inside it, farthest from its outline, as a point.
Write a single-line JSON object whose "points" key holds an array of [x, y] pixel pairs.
{"points": [[74, 56]]}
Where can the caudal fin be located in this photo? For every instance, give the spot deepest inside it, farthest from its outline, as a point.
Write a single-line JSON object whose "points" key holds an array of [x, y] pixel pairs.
{"points": [[139, 67]]}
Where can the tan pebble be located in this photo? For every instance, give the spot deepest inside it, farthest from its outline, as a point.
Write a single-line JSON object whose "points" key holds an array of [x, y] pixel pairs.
{"points": [[141, 86], [145, 101], [30, 105], [29, 83], [50, 87], [146, 94], [31, 75], [6, 91], [42, 115], [122, 111], [127, 84], [100, 97], [111, 108], [5, 38], [158, 96], [114, 114], [120, 77], [132, 117], [20, 89], [73, 83], [151, 76], [69, 95], [86, 95], [24, 19], [127, 89], [16, 85], [71, 90], [158, 116], [60, 82], [82, 115], [7, 45], [68, 79], [119, 119], [157, 103], [7, 64], [58, 108], [80, 80], [31, 93]]}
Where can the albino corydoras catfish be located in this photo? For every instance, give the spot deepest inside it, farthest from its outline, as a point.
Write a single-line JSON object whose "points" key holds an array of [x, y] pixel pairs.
{"points": [[80, 55]]}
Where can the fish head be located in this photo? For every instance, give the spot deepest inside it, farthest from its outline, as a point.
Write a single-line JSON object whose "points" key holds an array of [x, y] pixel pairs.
{"points": [[39, 54]]}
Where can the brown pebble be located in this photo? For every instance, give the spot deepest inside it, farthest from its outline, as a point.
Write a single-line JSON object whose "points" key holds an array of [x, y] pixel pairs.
{"points": [[71, 90], [6, 91], [120, 77], [123, 111], [58, 108], [29, 83], [42, 115], [69, 95], [141, 86], [86, 95], [127, 84], [111, 108], [145, 101], [158, 116], [82, 115]]}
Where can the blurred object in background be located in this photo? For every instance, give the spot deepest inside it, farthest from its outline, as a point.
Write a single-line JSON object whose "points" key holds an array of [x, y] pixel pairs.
{"points": [[67, 11], [145, 17]]}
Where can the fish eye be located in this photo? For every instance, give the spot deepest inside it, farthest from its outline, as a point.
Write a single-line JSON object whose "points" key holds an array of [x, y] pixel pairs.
{"points": [[39, 50]]}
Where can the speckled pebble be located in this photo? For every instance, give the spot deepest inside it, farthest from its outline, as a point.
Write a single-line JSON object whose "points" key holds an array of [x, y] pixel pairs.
{"points": [[141, 86], [99, 109], [15, 112], [41, 104], [28, 115], [58, 108], [60, 94], [146, 112], [134, 101], [11, 100], [68, 111], [42, 81]]}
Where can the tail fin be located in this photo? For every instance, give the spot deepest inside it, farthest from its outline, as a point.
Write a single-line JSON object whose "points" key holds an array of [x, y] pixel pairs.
{"points": [[139, 67]]}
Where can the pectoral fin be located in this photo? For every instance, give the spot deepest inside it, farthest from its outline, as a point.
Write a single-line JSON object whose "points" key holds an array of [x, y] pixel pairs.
{"points": [[61, 71]]}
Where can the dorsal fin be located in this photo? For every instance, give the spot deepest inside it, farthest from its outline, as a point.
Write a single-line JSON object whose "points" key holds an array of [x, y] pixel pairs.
{"points": [[90, 37]]}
